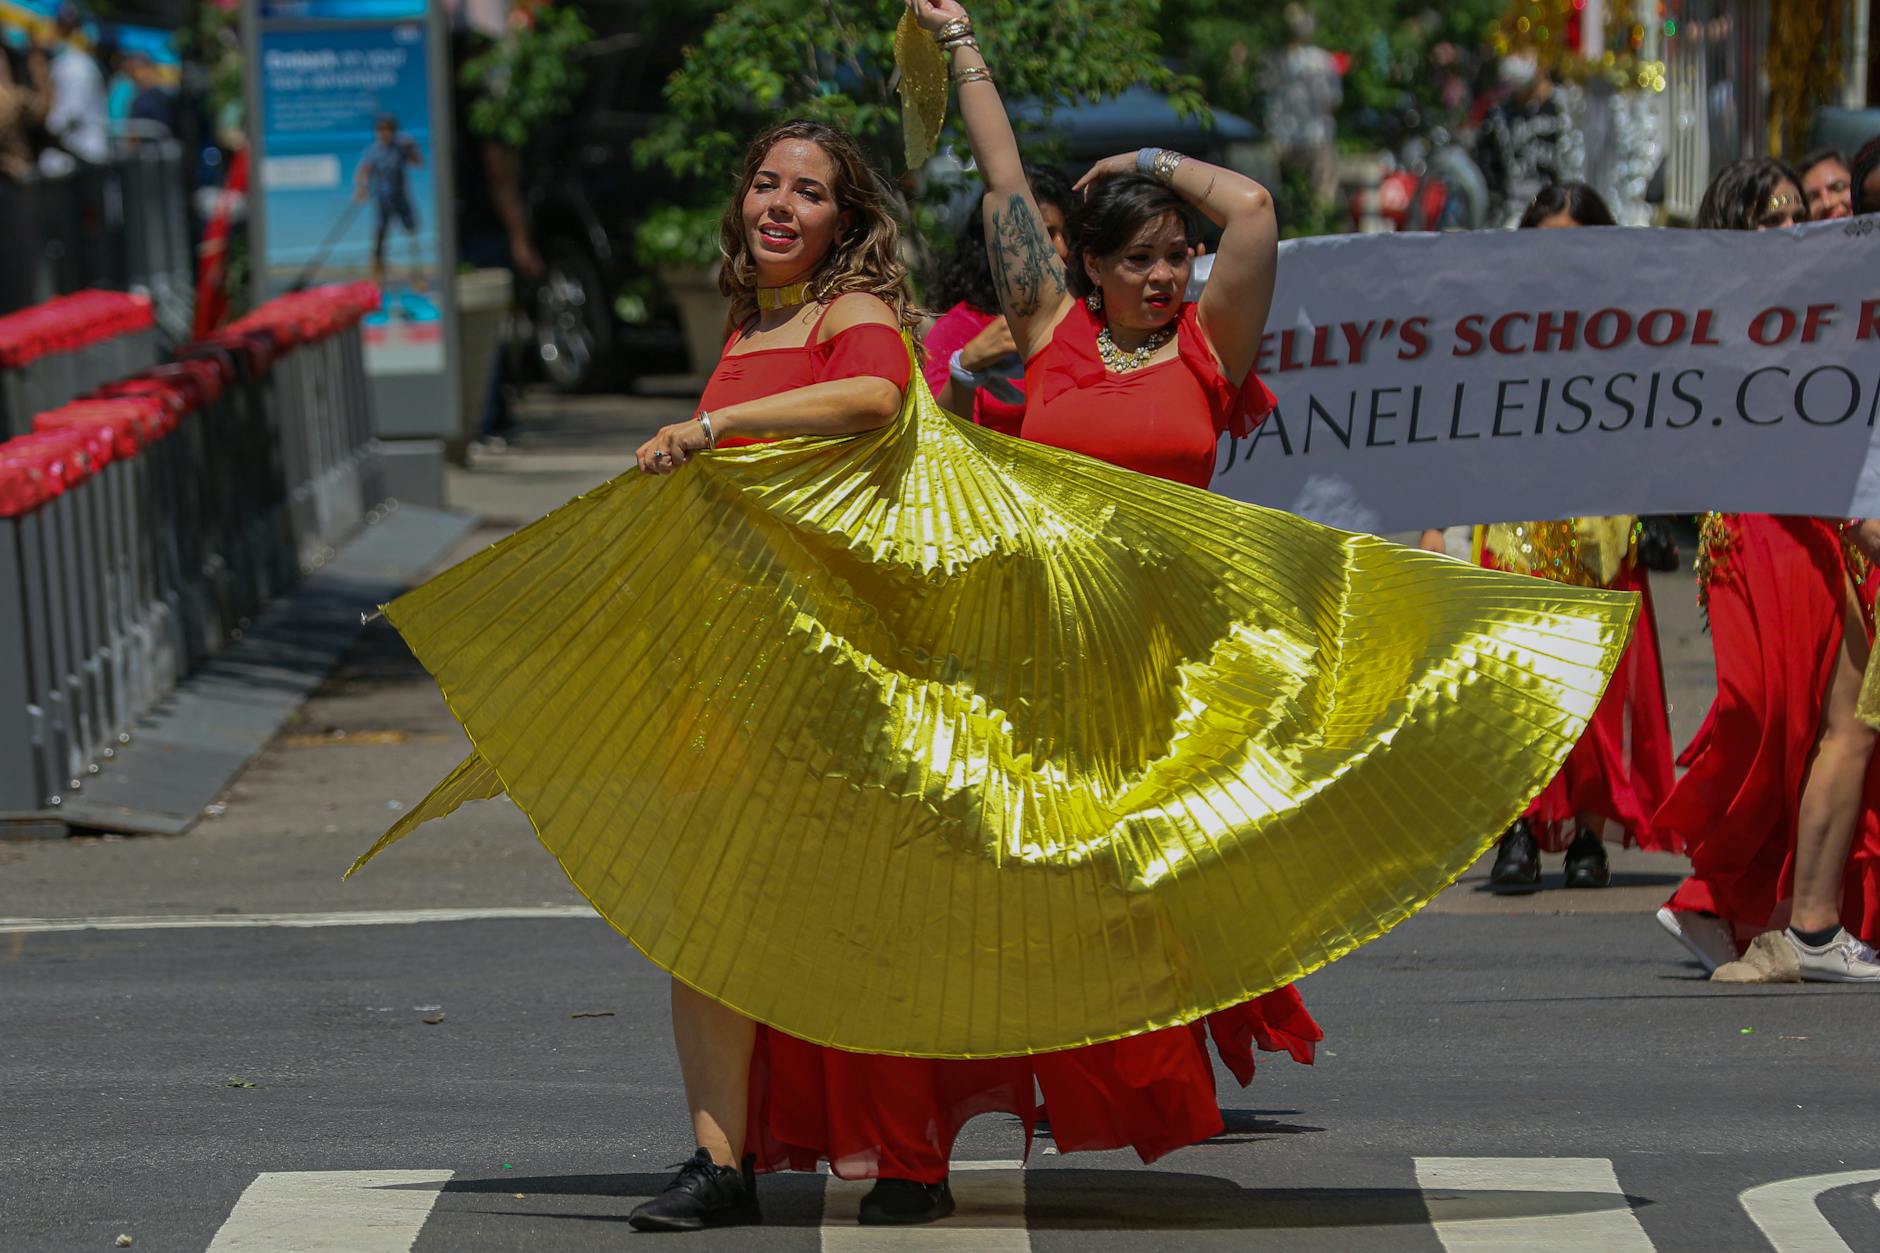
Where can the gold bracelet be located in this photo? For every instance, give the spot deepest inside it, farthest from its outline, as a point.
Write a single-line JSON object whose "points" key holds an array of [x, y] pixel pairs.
{"points": [[972, 74], [1164, 166], [958, 28], [964, 41]]}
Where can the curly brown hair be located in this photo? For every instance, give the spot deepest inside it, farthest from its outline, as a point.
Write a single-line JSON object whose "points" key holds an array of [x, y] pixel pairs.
{"points": [[868, 256]]}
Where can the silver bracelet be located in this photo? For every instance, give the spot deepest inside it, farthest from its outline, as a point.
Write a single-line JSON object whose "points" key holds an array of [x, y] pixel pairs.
{"points": [[1145, 161], [705, 421]]}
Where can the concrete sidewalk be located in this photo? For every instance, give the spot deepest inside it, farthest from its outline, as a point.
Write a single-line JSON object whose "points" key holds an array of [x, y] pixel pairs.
{"points": [[371, 740], [376, 736]]}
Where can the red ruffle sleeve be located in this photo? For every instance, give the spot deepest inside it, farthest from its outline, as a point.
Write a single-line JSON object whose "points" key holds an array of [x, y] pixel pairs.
{"points": [[868, 349]]}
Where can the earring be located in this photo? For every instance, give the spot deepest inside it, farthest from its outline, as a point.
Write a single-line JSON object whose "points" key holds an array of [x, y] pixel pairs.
{"points": [[1094, 301]]}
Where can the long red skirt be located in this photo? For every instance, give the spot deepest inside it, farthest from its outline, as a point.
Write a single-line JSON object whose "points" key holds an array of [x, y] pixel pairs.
{"points": [[1621, 769], [1776, 609], [869, 1115]]}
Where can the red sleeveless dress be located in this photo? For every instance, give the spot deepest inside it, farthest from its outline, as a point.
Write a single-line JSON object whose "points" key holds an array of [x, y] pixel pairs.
{"points": [[1776, 597], [870, 1115]]}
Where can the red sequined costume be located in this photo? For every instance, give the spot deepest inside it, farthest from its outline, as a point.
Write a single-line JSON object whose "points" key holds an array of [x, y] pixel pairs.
{"points": [[1621, 770]]}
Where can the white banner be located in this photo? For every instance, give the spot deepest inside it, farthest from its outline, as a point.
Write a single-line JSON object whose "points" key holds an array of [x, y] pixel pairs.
{"points": [[1427, 380]]}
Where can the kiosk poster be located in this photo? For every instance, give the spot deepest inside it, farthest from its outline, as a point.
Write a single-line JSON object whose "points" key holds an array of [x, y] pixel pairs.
{"points": [[349, 175]]}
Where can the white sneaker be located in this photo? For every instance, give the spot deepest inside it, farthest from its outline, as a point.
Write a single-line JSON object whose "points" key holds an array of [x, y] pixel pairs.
{"points": [[1707, 938], [1843, 959]]}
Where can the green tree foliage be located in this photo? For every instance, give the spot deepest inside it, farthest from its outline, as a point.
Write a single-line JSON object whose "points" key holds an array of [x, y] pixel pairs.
{"points": [[833, 61], [529, 78]]}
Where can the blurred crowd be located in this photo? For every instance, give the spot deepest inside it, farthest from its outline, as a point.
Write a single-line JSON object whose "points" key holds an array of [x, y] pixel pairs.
{"points": [[67, 97]]}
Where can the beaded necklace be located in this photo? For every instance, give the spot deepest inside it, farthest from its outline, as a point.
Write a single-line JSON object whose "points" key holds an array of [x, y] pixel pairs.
{"points": [[1120, 362]]}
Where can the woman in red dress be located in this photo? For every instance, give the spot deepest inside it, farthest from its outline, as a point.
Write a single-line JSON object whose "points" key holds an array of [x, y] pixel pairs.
{"points": [[1120, 368], [816, 299], [1779, 802], [1621, 770], [819, 301], [971, 363]]}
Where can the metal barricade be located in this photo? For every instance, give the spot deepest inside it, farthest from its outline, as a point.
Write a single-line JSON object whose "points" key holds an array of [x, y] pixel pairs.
{"points": [[144, 525], [121, 224], [59, 350]]}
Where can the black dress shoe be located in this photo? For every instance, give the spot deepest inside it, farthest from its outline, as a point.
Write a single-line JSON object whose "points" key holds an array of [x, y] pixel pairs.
{"points": [[902, 1202], [703, 1194], [1517, 868], [1587, 866]]}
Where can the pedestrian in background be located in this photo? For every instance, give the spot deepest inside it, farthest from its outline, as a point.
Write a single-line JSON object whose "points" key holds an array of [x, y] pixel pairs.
{"points": [[1526, 140], [972, 364], [25, 97], [79, 116], [153, 111], [1620, 771], [1777, 809], [1303, 92], [1827, 185], [1865, 176]]}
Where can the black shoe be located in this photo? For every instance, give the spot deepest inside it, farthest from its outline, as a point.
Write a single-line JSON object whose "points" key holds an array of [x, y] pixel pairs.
{"points": [[902, 1202], [1517, 868], [1586, 862], [703, 1194]]}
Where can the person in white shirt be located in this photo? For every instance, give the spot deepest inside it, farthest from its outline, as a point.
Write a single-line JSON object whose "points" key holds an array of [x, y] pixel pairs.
{"points": [[78, 119]]}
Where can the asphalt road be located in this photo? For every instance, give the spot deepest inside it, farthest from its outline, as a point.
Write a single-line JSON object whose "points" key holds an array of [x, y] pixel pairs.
{"points": [[1528, 1041], [1542, 1073]]}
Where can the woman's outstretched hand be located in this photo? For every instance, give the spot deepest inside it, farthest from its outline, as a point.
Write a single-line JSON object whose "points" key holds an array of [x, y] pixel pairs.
{"points": [[933, 14], [1109, 167], [671, 447]]}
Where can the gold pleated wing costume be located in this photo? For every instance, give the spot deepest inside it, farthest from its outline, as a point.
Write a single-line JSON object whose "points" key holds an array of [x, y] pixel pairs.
{"points": [[934, 742]]}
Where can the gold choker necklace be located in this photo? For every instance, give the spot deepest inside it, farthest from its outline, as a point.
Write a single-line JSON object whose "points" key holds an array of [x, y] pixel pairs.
{"points": [[782, 297]]}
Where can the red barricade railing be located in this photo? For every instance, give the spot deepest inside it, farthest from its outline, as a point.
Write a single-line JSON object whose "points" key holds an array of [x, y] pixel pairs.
{"points": [[143, 524], [54, 352]]}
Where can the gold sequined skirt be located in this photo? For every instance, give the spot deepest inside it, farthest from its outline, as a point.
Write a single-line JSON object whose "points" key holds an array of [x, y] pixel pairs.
{"points": [[938, 743]]}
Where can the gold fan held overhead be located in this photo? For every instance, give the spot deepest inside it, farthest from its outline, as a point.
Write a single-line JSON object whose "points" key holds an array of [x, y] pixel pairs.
{"points": [[930, 741], [922, 87]]}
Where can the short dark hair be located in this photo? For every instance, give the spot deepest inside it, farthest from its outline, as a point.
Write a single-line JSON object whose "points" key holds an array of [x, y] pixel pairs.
{"points": [[1817, 157], [965, 273], [1113, 212], [1735, 198], [1576, 200], [1865, 161]]}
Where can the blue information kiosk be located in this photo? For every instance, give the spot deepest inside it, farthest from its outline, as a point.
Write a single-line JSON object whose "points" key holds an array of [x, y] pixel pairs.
{"points": [[349, 126]]}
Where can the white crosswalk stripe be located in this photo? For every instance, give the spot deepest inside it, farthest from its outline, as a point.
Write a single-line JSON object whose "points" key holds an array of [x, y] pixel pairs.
{"points": [[1786, 1213], [1475, 1205], [1471, 1208], [331, 1211]]}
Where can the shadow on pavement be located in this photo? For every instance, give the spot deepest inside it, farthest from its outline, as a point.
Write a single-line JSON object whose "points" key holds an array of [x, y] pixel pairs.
{"points": [[1554, 882], [1059, 1199]]}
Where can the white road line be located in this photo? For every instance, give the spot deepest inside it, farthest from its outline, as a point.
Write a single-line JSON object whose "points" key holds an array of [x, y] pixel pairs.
{"points": [[342, 918], [1786, 1212], [1469, 1205], [331, 1211], [989, 1216]]}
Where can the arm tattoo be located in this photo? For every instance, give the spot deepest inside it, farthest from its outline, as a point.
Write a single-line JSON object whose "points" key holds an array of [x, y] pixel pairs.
{"points": [[1025, 267]]}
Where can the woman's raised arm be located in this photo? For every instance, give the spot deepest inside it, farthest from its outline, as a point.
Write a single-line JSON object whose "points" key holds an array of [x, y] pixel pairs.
{"points": [[1025, 267]]}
